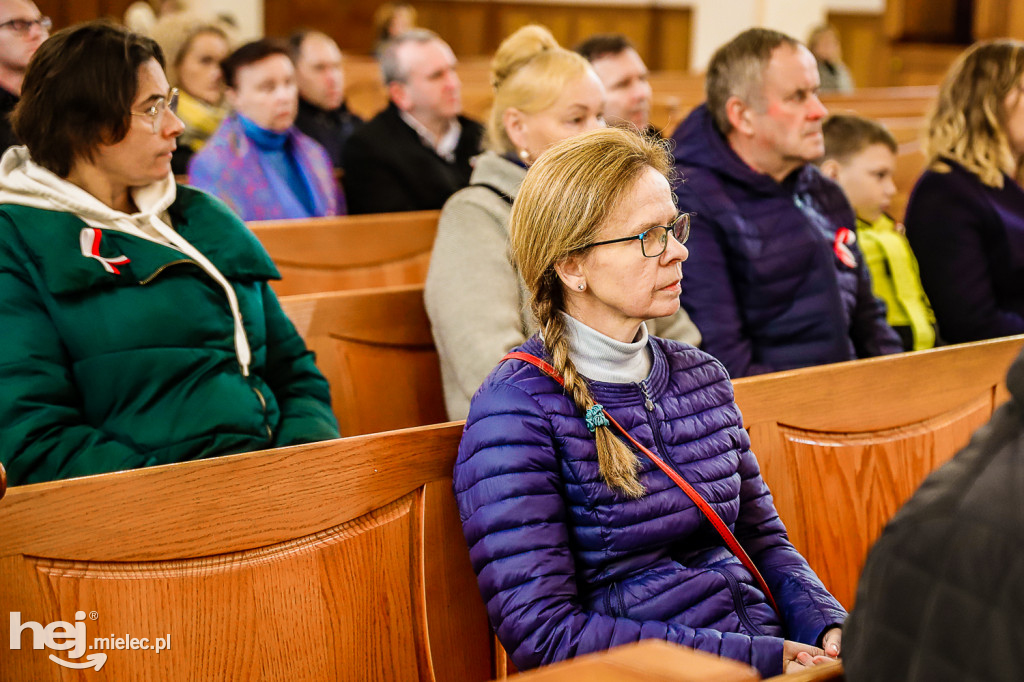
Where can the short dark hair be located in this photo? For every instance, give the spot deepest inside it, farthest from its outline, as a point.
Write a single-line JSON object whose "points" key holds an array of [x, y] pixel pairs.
{"points": [[603, 45], [78, 92], [737, 68], [848, 134], [250, 53]]}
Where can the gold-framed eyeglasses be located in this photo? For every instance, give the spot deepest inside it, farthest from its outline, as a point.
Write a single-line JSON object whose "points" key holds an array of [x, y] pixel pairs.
{"points": [[654, 240], [159, 109], [23, 26]]}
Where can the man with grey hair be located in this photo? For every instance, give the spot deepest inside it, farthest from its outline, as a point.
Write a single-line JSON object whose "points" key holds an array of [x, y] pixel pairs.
{"points": [[776, 280], [415, 154]]}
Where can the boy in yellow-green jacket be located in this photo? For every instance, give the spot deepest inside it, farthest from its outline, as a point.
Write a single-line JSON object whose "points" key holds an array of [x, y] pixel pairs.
{"points": [[860, 155]]}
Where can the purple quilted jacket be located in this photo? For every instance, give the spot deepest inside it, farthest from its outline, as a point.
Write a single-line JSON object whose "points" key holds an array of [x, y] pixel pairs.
{"points": [[566, 566]]}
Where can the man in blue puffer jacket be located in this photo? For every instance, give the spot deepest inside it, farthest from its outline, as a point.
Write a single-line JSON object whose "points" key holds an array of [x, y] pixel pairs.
{"points": [[777, 280]]}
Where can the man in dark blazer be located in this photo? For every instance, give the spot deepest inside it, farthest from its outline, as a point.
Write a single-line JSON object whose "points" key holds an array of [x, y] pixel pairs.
{"points": [[416, 153]]}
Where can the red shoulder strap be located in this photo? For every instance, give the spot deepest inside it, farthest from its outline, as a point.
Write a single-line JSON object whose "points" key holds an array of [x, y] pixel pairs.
{"points": [[716, 521]]}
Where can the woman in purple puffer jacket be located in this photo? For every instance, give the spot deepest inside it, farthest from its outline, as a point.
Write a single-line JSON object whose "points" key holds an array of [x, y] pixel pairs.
{"points": [[579, 542]]}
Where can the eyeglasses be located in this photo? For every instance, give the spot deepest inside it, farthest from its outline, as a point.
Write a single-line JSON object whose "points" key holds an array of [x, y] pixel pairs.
{"points": [[25, 25], [654, 240], [157, 111]]}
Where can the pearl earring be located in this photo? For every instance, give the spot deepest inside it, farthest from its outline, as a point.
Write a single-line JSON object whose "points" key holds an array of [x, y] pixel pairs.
{"points": [[582, 287], [524, 155]]}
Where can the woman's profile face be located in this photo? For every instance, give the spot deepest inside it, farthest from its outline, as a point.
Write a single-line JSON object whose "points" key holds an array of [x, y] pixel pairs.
{"points": [[199, 71], [578, 109], [144, 155], [266, 93], [1014, 115], [624, 287]]}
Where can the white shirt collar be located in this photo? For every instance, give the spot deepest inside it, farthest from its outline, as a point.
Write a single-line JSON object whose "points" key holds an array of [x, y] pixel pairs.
{"points": [[445, 145]]}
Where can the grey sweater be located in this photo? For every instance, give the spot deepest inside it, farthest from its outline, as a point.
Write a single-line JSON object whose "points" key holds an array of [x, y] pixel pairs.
{"points": [[478, 305]]}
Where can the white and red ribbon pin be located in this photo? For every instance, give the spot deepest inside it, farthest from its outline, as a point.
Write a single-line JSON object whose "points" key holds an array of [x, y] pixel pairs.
{"points": [[844, 237], [90, 238]]}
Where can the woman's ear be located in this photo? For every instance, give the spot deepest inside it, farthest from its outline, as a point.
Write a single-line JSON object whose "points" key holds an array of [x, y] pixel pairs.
{"points": [[515, 127], [571, 270]]}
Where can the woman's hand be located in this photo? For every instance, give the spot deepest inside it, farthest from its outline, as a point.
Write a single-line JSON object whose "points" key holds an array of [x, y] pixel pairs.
{"points": [[797, 656], [831, 642]]}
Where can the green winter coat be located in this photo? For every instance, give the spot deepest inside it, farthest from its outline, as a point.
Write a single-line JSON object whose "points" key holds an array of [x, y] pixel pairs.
{"points": [[103, 371]]}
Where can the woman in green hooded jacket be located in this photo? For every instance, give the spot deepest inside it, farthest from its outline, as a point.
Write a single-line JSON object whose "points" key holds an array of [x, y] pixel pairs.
{"points": [[138, 325]]}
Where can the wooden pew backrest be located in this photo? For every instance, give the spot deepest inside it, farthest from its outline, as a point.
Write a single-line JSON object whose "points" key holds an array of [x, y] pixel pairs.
{"points": [[375, 348], [843, 446], [342, 560], [349, 252]]}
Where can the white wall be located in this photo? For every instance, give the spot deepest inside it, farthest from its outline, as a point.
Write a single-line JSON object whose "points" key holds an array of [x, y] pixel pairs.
{"points": [[249, 14], [716, 21]]}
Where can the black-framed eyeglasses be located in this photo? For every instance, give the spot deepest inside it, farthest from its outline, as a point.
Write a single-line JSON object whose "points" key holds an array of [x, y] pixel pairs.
{"points": [[654, 240], [25, 25], [159, 108]]}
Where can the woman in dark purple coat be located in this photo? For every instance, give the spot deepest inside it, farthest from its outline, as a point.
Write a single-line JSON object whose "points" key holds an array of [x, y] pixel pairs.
{"points": [[965, 219], [579, 542]]}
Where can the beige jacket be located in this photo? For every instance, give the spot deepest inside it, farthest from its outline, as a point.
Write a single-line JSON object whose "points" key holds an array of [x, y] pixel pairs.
{"points": [[478, 305]]}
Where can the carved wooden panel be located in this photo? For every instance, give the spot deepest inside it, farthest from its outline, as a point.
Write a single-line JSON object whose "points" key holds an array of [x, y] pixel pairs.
{"points": [[836, 491], [349, 252], [376, 350], [342, 560]]}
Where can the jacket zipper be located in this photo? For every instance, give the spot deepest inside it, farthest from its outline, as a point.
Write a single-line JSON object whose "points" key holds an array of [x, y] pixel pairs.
{"points": [[615, 609], [658, 442], [162, 268], [737, 598]]}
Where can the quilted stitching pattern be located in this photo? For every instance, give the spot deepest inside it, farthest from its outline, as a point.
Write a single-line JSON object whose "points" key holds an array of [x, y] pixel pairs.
{"points": [[566, 566]]}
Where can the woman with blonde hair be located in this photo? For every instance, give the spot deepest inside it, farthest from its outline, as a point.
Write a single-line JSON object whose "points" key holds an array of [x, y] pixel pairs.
{"points": [[965, 218], [579, 541], [476, 300], [195, 45]]}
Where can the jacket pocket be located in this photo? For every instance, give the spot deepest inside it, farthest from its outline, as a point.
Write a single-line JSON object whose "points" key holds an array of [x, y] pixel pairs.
{"points": [[737, 599]]}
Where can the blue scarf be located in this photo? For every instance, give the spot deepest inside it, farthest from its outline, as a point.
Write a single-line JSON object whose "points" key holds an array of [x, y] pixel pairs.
{"points": [[286, 176]]}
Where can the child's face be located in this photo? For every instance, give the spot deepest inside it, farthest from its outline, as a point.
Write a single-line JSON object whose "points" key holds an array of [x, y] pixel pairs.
{"points": [[867, 179]]}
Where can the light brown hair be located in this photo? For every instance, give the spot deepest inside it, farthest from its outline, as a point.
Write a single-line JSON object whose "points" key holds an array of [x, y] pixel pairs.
{"points": [[848, 134], [566, 197], [967, 123]]}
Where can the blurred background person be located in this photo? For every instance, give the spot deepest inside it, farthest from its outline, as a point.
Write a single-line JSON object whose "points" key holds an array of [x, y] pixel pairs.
{"points": [[477, 302], [138, 324], [194, 45], [860, 155], [258, 162], [323, 114], [624, 76], [22, 30], [416, 153], [965, 217], [391, 20], [781, 282], [824, 44]]}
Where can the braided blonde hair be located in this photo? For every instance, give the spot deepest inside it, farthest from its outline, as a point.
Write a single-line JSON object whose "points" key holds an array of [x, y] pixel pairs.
{"points": [[967, 123], [528, 73], [564, 201]]}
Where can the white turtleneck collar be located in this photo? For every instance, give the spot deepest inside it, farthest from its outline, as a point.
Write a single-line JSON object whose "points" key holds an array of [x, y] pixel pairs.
{"points": [[602, 358]]}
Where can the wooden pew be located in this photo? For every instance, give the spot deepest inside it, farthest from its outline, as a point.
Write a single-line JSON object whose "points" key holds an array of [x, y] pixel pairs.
{"points": [[658, 660], [349, 252], [375, 348], [342, 560], [843, 446]]}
